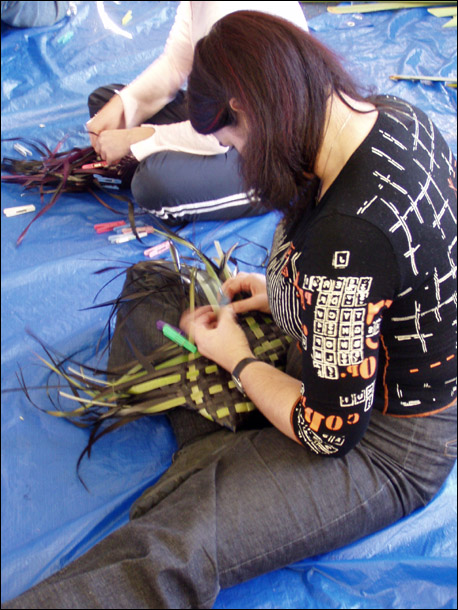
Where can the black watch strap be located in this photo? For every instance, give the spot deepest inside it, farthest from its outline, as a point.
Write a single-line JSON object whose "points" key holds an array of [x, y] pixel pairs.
{"points": [[237, 371]]}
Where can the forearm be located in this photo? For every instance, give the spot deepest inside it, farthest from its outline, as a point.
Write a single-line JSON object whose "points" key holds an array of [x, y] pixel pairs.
{"points": [[273, 392], [222, 340], [179, 137]]}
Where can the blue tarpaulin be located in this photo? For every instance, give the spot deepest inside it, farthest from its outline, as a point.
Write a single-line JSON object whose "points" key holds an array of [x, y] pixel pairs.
{"points": [[49, 281]]}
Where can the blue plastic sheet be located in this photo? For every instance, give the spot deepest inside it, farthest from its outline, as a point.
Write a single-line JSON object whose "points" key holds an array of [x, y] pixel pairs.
{"points": [[48, 518]]}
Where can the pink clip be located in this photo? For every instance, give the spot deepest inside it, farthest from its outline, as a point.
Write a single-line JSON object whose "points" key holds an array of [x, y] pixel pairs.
{"points": [[146, 229], [157, 250]]}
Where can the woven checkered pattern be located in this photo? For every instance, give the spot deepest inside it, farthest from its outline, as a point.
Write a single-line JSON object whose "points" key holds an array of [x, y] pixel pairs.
{"points": [[171, 377], [149, 374]]}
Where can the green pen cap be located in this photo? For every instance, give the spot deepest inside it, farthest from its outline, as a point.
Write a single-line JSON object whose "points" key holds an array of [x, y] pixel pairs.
{"points": [[175, 336]]}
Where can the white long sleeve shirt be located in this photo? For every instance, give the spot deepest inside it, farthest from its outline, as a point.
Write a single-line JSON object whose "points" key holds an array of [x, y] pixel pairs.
{"points": [[159, 83]]}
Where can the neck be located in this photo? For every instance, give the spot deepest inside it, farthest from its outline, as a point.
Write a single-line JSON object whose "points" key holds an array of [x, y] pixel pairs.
{"points": [[346, 129]]}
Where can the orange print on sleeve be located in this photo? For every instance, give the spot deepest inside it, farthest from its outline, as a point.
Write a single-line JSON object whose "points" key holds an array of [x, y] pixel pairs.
{"points": [[317, 420], [366, 369], [371, 344], [374, 308]]}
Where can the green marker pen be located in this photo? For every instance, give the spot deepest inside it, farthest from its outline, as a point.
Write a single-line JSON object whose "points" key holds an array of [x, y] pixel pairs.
{"points": [[176, 337]]}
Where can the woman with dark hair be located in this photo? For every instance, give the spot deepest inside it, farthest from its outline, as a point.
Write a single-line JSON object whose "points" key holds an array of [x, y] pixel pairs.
{"points": [[362, 274], [363, 267]]}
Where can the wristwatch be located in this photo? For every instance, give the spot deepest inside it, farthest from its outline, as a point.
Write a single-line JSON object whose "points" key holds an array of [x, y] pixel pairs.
{"points": [[238, 369]]}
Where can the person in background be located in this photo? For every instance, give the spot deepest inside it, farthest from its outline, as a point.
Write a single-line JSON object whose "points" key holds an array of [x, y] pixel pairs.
{"points": [[363, 275], [34, 14], [181, 176]]}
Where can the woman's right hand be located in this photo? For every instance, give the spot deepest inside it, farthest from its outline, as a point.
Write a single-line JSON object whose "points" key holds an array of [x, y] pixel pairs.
{"points": [[111, 116], [252, 283]]}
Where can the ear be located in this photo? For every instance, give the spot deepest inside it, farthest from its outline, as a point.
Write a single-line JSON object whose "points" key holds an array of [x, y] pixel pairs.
{"points": [[235, 105]]}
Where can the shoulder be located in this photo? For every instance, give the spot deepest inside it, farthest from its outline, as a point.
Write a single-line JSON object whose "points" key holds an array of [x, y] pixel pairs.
{"points": [[408, 123], [335, 243]]}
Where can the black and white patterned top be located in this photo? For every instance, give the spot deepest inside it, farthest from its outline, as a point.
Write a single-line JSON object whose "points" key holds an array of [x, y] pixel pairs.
{"points": [[366, 282]]}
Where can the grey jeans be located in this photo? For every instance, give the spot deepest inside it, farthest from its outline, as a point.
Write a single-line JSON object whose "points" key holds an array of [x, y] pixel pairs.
{"points": [[234, 506]]}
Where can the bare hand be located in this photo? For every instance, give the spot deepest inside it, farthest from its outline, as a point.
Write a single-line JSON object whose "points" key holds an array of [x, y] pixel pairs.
{"points": [[218, 337], [114, 144], [111, 116], [252, 283]]}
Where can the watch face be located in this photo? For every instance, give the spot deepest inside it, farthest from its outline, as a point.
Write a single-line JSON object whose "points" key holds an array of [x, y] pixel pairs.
{"points": [[238, 384]]}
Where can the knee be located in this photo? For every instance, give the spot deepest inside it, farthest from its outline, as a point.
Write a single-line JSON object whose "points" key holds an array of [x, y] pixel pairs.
{"points": [[99, 97], [94, 97], [96, 100], [151, 186]]}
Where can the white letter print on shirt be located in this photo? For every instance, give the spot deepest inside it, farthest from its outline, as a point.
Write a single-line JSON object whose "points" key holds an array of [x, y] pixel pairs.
{"points": [[339, 319]]}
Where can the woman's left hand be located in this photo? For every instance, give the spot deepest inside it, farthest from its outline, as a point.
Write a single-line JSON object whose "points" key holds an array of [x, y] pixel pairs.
{"points": [[217, 336], [114, 144]]}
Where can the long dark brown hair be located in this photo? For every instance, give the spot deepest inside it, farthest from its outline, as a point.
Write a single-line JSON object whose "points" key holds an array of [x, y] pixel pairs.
{"points": [[282, 77]]}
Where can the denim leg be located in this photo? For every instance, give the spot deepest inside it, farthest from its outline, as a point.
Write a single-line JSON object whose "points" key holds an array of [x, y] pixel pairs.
{"points": [[166, 559], [227, 519], [276, 503], [271, 514], [233, 506]]}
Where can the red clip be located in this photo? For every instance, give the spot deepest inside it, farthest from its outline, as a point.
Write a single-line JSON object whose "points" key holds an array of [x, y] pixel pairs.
{"points": [[105, 227]]}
